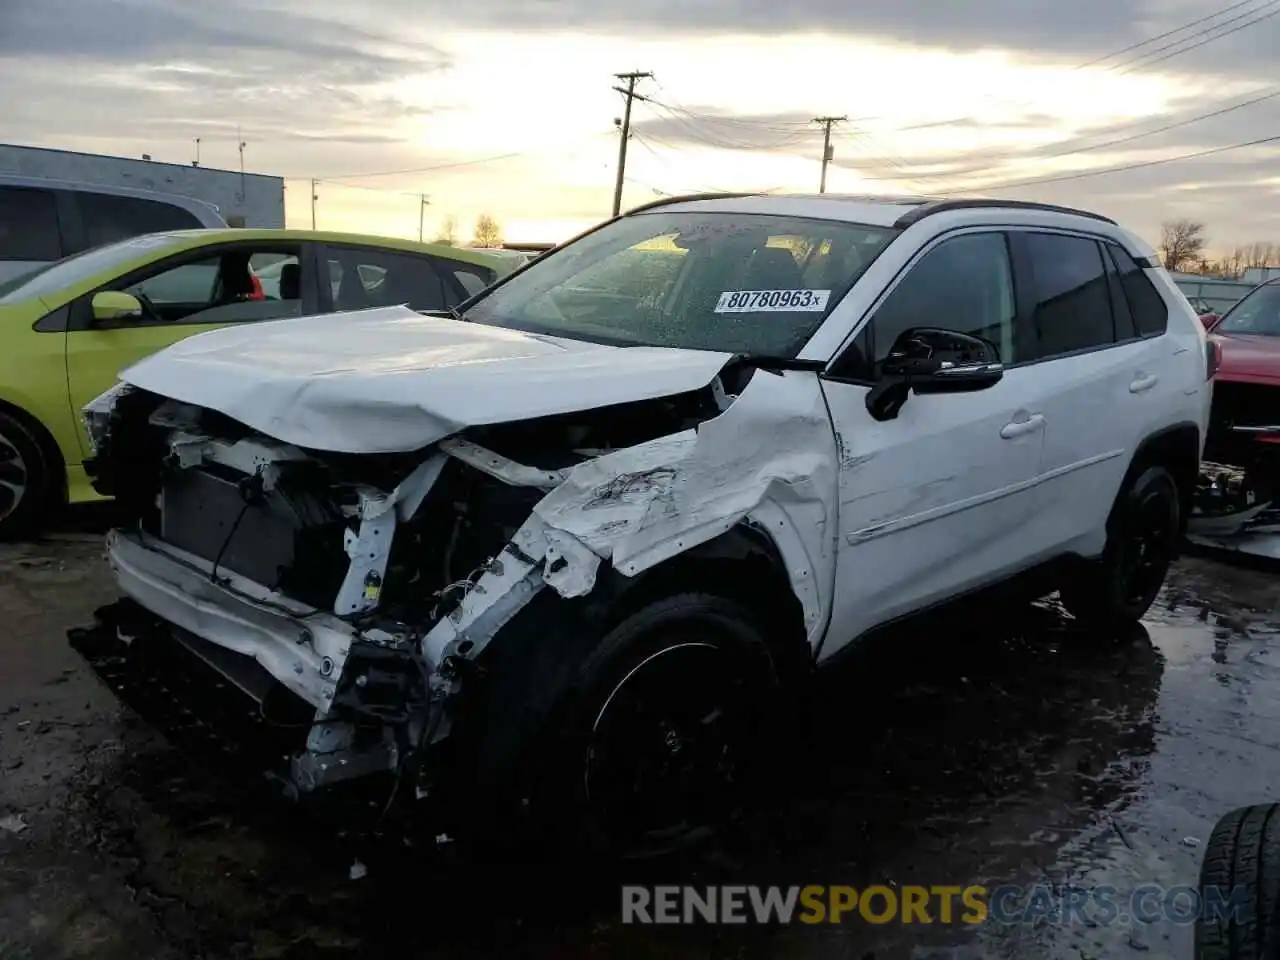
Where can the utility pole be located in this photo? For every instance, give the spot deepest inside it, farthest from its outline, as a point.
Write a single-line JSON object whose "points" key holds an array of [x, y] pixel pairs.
{"points": [[625, 127], [827, 124], [197, 160], [422, 208], [240, 140], [314, 197]]}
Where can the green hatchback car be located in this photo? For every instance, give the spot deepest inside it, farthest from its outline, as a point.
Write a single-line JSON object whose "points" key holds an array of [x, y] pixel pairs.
{"points": [[67, 329]]}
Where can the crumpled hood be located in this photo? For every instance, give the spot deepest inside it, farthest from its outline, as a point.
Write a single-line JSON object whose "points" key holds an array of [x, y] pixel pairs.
{"points": [[392, 380]]}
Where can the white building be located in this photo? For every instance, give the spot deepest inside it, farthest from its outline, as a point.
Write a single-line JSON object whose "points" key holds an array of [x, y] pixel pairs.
{"points": [[243, 199]]}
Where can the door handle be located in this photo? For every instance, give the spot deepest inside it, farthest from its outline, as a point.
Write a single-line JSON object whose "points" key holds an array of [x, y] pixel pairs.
{"points": [[1144, 381], [1020, 428]]}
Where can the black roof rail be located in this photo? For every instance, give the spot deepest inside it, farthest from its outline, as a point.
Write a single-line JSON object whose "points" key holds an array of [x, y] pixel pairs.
{"points": [[942, 206], [667, 201]]}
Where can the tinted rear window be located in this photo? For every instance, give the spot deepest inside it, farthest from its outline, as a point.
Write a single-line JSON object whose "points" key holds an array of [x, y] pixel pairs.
{"points": [[109, 218], [28, 225]]}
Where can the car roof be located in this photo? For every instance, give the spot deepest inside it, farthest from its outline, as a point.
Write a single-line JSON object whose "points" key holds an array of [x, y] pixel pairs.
{"points": [[899, 212], [226, 234], [206, 211]]}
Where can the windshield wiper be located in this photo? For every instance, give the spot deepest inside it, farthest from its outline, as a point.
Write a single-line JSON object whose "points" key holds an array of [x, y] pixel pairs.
{"points": [[777, 364]]}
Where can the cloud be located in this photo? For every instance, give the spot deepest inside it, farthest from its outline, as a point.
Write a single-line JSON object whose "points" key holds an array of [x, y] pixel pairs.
{"points": [[1079, 31], [160, 73], [325, 87]]}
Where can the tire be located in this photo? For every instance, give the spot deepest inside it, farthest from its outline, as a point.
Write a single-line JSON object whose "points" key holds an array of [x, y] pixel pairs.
{"points": [[665, 733], [1143, 533], [26, 481], [1243, 852]]}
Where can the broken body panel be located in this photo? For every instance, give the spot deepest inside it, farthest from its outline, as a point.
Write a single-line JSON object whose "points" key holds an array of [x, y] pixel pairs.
{"points": [[493, 466]]}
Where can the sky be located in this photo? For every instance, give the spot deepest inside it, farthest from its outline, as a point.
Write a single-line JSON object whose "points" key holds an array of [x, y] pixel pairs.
{"points": [[507, 107]]}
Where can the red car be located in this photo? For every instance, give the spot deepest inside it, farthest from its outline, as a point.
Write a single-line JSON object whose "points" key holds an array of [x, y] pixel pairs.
{"points": [[1238, 502]]}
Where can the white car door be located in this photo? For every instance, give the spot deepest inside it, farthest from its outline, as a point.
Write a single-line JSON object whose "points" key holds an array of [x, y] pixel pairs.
{"points": [[933, 502], [1101, 377]]}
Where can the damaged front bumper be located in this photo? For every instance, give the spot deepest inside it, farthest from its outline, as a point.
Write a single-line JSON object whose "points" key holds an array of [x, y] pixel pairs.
{"points": [[359, 593], [216, 704]]}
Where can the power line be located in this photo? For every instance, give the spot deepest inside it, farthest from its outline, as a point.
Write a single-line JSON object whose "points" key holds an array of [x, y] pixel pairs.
{"points": [[1129, 166], [1217, 36], [452, 164], [1088, 148], [686, 120], [1167, 127], [1161, 36], [1134, 62]]}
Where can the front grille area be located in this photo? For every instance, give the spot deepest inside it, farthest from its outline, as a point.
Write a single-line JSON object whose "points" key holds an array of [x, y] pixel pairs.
{"points": [[286, 539], [1241, 404], [1245, 403]]}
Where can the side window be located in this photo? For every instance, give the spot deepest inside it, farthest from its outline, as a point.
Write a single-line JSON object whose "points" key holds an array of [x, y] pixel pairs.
{"points": [[108, 218], [471, 277], [233, 286], [360, 278], [963, 284], [1072, 301], [28, 225], [1150, 313]]}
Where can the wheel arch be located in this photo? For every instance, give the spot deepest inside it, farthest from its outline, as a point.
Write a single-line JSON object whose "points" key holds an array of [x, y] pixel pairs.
{"points": [[53, 459], [1177, 448], [531, 666]]}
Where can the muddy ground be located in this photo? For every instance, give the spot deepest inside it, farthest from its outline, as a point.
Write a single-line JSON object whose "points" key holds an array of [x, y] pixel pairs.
{"points": [[998, 749]]}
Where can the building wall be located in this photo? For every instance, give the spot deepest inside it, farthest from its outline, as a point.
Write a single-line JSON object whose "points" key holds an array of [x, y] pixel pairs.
{"points": [[255, 197]]}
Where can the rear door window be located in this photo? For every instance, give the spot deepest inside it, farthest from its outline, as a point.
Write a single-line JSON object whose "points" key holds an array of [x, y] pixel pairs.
{"points": [[108, 218], [1071, 295], [471, 278], [29, 225], [362, 277]]}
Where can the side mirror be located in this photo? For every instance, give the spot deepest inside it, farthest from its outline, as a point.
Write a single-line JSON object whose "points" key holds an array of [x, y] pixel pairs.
{"points": [[927, 360], [114, 305], [1210, 320]]}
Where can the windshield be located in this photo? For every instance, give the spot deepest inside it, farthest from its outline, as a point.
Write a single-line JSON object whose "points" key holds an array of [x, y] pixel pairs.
{"points": [[1258, 313], [737, 283], [81, 266]]}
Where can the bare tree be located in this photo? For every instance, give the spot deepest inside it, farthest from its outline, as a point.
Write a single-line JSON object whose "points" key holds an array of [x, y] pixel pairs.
{"points": [[1261, 254], [1233, 263], [488, 232], [1181, 242], [448, 233]]}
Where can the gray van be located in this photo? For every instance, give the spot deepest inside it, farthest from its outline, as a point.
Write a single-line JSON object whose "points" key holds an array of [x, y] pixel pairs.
{"points": [[45, 220]]}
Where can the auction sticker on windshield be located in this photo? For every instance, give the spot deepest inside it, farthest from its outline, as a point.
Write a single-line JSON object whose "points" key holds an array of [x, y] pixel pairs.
{"points": [[772, 301]]}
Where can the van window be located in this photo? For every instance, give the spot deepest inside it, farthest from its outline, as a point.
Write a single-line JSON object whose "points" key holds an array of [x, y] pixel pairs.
{"points": [[108, 218], [28, 225]]}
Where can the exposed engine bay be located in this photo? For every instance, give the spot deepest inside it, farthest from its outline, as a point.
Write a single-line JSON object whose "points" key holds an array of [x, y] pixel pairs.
{"points": [[360, 591]]}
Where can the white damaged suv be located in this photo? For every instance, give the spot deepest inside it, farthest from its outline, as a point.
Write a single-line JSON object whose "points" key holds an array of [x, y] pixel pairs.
{"points": [[558, 555]]}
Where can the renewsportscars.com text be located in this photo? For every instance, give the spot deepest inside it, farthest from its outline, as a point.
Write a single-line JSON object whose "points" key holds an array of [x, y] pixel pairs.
{"points": [[917, 904]]}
